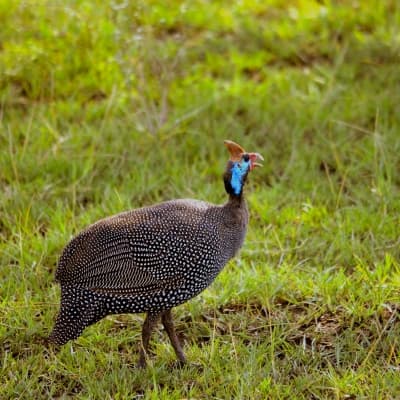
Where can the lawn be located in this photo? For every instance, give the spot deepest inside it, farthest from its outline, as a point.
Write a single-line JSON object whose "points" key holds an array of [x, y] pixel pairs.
{"points": [[108, 106]]}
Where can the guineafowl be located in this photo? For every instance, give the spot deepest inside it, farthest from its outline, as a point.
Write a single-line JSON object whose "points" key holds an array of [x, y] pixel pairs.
{"points": [[151, 259]]}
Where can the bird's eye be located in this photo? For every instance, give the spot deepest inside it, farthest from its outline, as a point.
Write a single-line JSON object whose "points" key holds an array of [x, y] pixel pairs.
{"points": [[246, 157]]}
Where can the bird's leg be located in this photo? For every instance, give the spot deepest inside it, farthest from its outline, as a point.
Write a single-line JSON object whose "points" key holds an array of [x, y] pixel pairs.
{"points": [[148, 325], [166, 318]]}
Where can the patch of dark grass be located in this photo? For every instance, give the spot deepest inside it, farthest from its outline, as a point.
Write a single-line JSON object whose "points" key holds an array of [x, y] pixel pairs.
{"points": [[305, 326]]}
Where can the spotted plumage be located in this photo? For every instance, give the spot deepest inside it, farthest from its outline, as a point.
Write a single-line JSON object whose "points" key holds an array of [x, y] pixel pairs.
{"points": [[151, 259]]}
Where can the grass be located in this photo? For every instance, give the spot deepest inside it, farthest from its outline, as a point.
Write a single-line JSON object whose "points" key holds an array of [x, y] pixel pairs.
{"points": [[107, 106]]}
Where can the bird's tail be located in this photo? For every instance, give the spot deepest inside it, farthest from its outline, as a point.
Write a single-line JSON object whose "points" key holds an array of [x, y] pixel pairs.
{"points": [[78, 310]]}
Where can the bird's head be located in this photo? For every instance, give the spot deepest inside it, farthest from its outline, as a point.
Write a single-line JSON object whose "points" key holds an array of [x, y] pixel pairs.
{"points": [[239, 165]]}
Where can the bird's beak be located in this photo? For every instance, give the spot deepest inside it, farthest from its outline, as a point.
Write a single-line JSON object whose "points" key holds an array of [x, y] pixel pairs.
{"points": [[253, 160]]}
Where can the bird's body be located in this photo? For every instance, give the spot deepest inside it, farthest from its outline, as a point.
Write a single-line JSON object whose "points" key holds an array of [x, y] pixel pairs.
{"points": [[146, 260]]}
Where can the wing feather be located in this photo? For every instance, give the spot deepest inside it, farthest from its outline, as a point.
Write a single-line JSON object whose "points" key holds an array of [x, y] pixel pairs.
{"points": [[137, 251]]}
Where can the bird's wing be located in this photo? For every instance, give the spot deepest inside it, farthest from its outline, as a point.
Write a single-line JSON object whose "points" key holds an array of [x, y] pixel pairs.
{"points": [[133, 255]]}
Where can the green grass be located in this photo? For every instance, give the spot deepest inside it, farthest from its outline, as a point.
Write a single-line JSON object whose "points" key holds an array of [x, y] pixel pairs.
{"points": [[107, 106]]}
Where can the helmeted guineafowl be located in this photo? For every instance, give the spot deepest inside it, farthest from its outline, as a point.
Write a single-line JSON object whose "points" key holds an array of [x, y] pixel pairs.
{"points": [[151, 259]]}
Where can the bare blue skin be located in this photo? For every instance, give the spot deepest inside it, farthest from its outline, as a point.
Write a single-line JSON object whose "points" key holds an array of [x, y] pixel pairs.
{"points": [[239, 170]]}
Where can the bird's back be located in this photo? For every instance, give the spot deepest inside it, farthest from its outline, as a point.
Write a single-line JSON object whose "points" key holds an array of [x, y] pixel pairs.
{"points": [[171, 244]]}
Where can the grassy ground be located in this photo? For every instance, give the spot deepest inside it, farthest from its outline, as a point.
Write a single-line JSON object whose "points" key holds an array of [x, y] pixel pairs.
{"points": [[107, 106]]}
